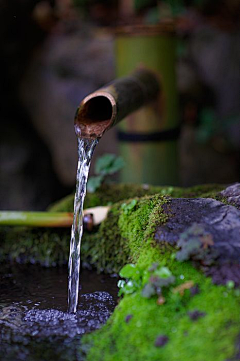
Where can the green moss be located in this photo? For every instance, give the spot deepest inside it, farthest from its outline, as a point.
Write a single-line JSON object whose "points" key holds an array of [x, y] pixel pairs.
{"points": [[226, 201], [106, 247], [137, 226], [35, 245], [127, 235], [63, 205], [106, 250], [115, 243], [109, 194], [211, 337], [105, 195], [201, 191]]}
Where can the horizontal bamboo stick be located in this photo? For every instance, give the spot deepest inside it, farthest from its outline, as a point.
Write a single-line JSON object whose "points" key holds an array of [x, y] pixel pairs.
{"points": [[36, 219], [48, 219]]}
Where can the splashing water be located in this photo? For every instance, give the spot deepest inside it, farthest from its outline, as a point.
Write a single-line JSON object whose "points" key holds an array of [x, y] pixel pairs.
{"points": [[33, 323], [85, 152]]}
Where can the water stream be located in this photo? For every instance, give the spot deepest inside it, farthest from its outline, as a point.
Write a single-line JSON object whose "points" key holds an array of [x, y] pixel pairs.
{"points": [[34, 324], [85, 152], [33, 321]]}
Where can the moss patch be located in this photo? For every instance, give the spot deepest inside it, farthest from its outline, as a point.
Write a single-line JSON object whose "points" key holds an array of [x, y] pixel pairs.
{"points": [[137, 322], [106, 247], [138, 325], [110, 194], [46, 246], [134, 330], [116, 243]]}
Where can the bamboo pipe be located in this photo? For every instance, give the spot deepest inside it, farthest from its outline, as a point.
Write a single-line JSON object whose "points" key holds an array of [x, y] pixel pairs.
{"points": [[152, 132], [91, 217], [105, 107]]}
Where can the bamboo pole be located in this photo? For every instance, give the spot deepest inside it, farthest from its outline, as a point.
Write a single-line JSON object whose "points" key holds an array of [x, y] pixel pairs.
{"points": [[51, 219], [35, 219], [148, 137]]}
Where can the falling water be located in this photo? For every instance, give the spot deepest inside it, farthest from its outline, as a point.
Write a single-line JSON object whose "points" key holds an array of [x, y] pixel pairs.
{"points": [[85, 152]]}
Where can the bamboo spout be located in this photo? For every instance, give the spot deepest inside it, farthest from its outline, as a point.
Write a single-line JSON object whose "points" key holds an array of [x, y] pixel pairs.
{"points": [[105, 107]]}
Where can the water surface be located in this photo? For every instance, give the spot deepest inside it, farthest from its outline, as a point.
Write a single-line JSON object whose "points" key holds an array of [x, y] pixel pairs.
{"points": [[34, 324]]}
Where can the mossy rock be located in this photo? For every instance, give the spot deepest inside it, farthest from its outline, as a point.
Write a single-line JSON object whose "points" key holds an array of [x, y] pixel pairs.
{"points": [[200, 325], [51, 247], [192, 327], [113, 193]]}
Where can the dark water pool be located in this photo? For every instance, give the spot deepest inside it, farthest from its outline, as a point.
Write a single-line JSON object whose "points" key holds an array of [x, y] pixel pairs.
{"points": [[34, 324]]}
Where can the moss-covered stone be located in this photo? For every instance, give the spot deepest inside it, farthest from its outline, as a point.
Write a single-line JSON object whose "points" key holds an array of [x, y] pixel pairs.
{"points": [[105, 248], [110, 194], [137, 324], [212, 337], [110, 248], [46, 246], [101, 247]]}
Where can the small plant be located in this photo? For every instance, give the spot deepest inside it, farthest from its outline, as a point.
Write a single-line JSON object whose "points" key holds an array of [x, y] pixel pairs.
{"points": [[128, 207], [150, 281], [106, 165], [159, 279], [230, 284], [196, 243], [133, 282]]}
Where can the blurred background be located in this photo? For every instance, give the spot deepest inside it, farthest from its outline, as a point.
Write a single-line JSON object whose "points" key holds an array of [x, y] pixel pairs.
{"points": [[55, 52]]}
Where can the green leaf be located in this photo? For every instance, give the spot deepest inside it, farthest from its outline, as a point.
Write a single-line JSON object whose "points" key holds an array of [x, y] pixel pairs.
{"points": [[128, 207], [130, 287], [128, 271], [108, 164], [230, 284], [121, 283], [127, 287], [94, 183], [145, 277]]}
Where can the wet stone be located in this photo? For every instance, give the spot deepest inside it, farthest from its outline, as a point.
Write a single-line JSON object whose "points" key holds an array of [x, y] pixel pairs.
{"points": [[232, 194], [221, 221], [222, 274]]}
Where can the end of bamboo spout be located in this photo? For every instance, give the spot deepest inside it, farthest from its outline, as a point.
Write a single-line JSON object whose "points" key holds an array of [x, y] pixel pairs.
{"points": [[95, 115], [112, 103]]}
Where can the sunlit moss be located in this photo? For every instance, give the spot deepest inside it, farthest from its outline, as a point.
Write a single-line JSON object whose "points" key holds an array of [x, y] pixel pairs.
{"points": [[209, 338]]}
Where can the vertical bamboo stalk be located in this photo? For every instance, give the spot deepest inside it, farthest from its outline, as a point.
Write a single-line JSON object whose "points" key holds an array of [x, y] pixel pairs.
{"points": [[149, 161]]}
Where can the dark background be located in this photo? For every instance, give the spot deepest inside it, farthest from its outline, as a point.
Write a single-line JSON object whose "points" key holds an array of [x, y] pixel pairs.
{"points": [[54, 52]]}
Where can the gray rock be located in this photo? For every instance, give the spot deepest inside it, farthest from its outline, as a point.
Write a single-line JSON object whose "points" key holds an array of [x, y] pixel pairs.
{"points": [[232, 194], [221, 221]]}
